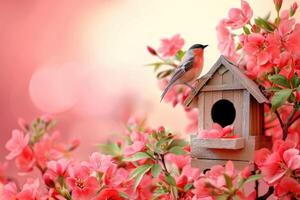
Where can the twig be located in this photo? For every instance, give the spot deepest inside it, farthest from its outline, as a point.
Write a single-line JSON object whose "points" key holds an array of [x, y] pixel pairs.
{"points": [[164, 164], [267, 195], [288, 121], [295, 119]]}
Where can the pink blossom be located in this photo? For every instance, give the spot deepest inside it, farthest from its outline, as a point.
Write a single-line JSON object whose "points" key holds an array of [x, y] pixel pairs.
{"points": [[16, 144], [115, 177], [169, 47], [83, 185], [287, 187], [179, 160], [255, 46], [26, 160], [274, 166], [29, 190], [217, 131], [109, 193], [239, 17], [9, 191], [190, 172], [100, 162], [139, 143], [57, 168], [226, 43], [48, 149]]}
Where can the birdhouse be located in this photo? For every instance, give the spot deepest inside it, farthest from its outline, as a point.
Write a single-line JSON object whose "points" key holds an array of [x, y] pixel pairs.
{"points": [[225, 95]]}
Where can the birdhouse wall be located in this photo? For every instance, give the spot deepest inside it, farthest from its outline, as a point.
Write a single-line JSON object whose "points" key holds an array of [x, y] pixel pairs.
{"points": [[256, 117], [223, 85]]}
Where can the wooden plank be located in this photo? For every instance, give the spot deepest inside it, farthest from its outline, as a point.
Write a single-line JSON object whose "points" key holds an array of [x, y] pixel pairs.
{"points": [[227, 78], [238, 105], [207, 110], [245, 154], [216, 95], [201, 111], [222, 87], [204, 164], [246, 114], [228, 94], [222, 143], [216, 79], [263, 142]]}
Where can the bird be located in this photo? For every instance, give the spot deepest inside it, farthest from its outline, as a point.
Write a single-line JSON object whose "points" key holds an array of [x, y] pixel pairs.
{"points": [[189, 68]]}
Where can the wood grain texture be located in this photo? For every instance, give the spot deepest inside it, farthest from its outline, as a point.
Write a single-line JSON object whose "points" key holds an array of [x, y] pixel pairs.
{"points": [[233, 86], [208, 103], [204, 164], [238, 104], [246, 114], [238, 76], [201, 111], [252, 143], [221, 143]]}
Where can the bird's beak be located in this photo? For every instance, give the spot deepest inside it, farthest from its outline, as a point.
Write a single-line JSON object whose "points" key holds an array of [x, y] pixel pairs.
{"points": [[204, 46]]}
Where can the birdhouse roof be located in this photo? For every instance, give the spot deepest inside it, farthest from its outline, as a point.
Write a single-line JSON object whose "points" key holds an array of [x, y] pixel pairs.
{"points": [[249, 84]]}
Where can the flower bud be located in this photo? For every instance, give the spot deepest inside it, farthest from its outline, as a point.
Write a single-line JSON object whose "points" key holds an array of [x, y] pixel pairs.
{"points": [[151, 51], [161, 129], [278, 4], [293, 9]]}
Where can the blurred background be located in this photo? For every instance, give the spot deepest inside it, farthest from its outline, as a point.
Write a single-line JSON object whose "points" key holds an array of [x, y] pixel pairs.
{"points": [[83, 61]]}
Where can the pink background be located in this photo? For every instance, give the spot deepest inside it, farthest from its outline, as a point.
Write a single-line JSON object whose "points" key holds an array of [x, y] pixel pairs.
{"points": [[83, 61]]}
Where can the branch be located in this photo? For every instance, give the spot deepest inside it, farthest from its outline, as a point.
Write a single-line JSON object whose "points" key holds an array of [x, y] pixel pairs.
{"points": [[288, 121], [279, 119], [295, 119], [267, 195], [164, 164]]}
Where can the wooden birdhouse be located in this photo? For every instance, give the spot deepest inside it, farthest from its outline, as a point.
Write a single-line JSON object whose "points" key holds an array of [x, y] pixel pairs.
{"points": [[225, 95]]}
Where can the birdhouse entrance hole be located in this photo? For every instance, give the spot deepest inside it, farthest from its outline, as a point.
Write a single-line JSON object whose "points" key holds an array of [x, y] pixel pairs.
{"points": [[223, 112]]}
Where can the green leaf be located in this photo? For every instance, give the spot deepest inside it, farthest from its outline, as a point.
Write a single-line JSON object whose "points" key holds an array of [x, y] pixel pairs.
{"points": [[187, 187], [292, 98], [159, 191], [141, 169], [177, 150], [137, 156], [178, 142], [235, 197], [295, 80], [170, 180], [273, 89], [161, 146], [280, 98], [164, 74], [253, 178], [179, 55], [228, 181], [111, 148], [223, 197], [155, 170], [140, 174], [174, 191], [240, 182], [279, 80], [124, 195], [264, 24], [246, 30]]}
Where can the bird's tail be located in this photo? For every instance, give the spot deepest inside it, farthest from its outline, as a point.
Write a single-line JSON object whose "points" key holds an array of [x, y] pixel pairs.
{"points": [[165, 91]]}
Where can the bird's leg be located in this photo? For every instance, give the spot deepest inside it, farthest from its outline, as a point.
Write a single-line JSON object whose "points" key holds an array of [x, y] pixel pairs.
{"points": [[191, 87]]}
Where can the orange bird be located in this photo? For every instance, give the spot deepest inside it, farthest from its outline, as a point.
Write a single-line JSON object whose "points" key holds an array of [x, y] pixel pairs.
{"points": [[189, 69]]}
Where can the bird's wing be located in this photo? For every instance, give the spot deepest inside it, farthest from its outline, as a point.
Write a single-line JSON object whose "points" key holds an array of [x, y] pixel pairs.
{"points": [[186, 65]]}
